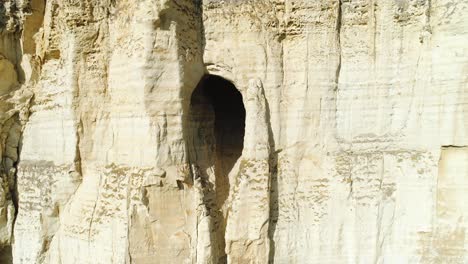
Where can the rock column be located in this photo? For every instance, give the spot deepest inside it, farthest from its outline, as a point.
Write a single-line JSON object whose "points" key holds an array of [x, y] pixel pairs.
{"points": [[247, 225]]}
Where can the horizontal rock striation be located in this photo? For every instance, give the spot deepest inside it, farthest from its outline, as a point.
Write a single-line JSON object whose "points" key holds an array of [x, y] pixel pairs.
{"points": [[234, 131]]}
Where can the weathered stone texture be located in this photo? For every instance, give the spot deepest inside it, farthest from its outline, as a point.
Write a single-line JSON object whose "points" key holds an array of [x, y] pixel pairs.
{"points": [[340, 134]]}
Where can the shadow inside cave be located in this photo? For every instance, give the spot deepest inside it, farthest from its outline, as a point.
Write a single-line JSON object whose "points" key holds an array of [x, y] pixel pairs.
{"points": [[218, 112], [217, 116]]}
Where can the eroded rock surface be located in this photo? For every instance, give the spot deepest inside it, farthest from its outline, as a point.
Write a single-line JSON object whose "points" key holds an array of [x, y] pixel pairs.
{"points": [[235, 131]]}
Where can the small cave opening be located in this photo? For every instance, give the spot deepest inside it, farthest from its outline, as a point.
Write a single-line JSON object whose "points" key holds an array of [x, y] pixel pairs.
{"points": [[229, 119], [217, 123], [218, 114]]}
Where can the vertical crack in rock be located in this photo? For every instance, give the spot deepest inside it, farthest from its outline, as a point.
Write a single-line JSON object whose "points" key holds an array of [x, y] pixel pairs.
{"points": [[93, 214], [9, 164], [338, 25], [274, 192], [427, 29], [373, 17], [78, 134], [339, 22]]}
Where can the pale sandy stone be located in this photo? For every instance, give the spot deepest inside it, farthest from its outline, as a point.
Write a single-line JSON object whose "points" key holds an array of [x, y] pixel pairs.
{"points": [[354, 148]]}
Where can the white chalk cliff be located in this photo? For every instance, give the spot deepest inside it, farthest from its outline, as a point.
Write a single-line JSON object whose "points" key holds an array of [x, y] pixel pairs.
{"points": [[234, 131]]}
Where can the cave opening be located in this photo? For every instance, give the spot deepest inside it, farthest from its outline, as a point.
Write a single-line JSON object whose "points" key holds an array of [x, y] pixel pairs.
{"points": [[217, 125], [229, 115], [219, 115]]}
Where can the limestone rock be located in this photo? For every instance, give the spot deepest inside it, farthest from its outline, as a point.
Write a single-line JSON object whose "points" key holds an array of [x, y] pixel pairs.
{"points": [[234, 131], [247, 238], [9, 77]]}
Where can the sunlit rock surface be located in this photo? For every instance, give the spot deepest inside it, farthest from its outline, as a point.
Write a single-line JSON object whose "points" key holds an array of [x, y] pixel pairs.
{"points": [[234, 131]]}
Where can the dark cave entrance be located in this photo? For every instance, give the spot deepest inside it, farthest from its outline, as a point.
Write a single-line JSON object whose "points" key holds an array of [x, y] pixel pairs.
{"points": [[229, 115], [217, 116]]}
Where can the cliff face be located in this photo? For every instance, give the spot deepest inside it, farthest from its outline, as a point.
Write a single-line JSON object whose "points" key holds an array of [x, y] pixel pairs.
{"points": [[266, 131]]}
